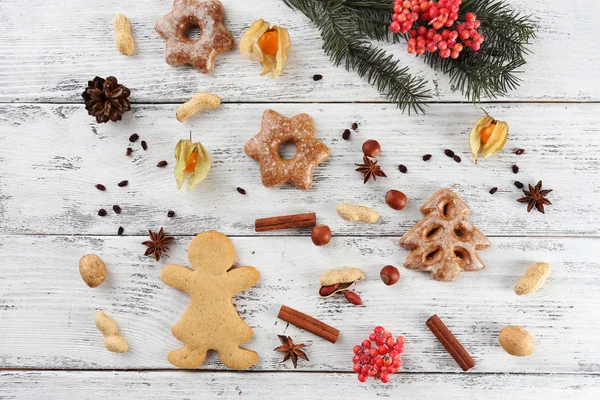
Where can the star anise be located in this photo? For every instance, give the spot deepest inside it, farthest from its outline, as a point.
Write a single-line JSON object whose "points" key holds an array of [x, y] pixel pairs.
{"points": [[535, 197], [157, 244], [291, 350], [370, 169]]}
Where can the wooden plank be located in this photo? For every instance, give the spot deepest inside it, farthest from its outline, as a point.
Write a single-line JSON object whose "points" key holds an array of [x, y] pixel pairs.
{"points": [[73, 43], [292, 385], [53, 155], [46, 311]]}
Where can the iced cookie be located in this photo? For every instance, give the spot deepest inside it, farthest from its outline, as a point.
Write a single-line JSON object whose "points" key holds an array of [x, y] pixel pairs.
{"points": [[201, 53], [276, 130]]}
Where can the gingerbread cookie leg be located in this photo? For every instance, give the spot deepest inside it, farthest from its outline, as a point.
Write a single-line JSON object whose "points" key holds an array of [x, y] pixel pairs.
{"points": [[187, 358], [235, 357]]}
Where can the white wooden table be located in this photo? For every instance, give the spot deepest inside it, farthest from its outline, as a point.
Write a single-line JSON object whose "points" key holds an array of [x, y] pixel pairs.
{"points": [[52, 154]]}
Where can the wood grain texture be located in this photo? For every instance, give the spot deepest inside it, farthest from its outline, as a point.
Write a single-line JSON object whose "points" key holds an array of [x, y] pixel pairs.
{"points": [[51, 49], [53, 155], [47, 311], [293, 385]]}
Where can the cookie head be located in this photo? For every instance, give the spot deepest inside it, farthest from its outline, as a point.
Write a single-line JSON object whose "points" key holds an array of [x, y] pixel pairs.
{"points": [[211, 252]]}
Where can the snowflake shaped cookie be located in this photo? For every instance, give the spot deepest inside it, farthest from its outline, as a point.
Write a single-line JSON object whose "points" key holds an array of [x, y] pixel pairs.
{"points": [[276, 130], [201, 53]]}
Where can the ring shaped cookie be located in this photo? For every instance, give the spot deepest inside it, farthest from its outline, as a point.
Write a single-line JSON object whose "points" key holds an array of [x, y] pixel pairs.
{"points": [[214, 39], [277, 130]]}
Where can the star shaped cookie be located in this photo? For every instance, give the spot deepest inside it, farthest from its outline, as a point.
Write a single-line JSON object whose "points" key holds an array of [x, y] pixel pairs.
{"points": [[276, 130], [201, 53]]}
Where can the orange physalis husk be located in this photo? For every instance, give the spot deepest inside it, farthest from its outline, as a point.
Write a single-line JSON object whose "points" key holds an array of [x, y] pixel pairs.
{"points": [[494, 143], [182, 153], [251, 50]]}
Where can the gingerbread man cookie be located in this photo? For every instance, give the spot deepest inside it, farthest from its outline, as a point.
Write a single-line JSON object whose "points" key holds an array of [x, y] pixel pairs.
{"points": [[211, 322], [276, 130], [201, 53]]}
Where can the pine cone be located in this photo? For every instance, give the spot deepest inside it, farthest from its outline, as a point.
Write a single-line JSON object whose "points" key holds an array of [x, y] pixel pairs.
{"points": [[106, 99]]}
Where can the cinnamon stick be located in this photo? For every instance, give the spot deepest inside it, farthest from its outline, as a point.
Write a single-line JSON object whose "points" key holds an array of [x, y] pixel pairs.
{"points": [[450, 343], [308, 323], [286, 222]]}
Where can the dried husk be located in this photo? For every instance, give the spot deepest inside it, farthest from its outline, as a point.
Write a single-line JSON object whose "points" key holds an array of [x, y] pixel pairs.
{"points": [[250, 49], [346, 278], [182, 152], [494, 144]]}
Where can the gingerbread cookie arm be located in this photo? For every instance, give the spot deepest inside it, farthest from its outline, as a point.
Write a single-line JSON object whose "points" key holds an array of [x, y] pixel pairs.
{"points": [[241, 278], [176, 276]]}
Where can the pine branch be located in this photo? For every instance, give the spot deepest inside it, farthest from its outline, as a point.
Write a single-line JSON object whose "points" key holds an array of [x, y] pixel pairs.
{"points": [[343, 42], [492, 71], [346, 25]]}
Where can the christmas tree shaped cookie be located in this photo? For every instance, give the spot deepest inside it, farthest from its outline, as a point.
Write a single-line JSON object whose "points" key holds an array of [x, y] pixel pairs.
{"points": [[444, 242]]}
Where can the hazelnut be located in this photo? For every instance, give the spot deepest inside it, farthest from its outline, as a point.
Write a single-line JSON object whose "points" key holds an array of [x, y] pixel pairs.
{"points": [[396, 199], [92, 270], [389, 275], [321, 235], [371, 148]]}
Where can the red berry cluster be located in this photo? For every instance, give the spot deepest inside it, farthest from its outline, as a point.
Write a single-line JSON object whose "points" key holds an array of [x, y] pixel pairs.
{"points": [[440, 15], [381, 360]]}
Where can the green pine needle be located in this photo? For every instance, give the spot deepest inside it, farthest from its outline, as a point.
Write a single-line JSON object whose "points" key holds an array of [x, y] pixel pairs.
{"points": [[345, 43], [347, 25]]}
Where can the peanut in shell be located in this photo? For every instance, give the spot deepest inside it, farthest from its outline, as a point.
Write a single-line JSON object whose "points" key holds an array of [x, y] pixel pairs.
{"points": [[345, 279]]}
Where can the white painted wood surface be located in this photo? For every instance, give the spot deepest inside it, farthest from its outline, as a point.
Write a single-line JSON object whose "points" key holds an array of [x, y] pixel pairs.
{"points": [[43, 276], [561, 142], [50, 47], [52, 154], [293, 385]]}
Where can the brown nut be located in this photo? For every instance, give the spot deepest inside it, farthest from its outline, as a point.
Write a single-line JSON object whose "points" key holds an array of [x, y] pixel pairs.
{"points": [[92, 270], [371, 148], [353, 298], [321, 235], [396, 199], [516, 341], [327, 290], [389, 275]]}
